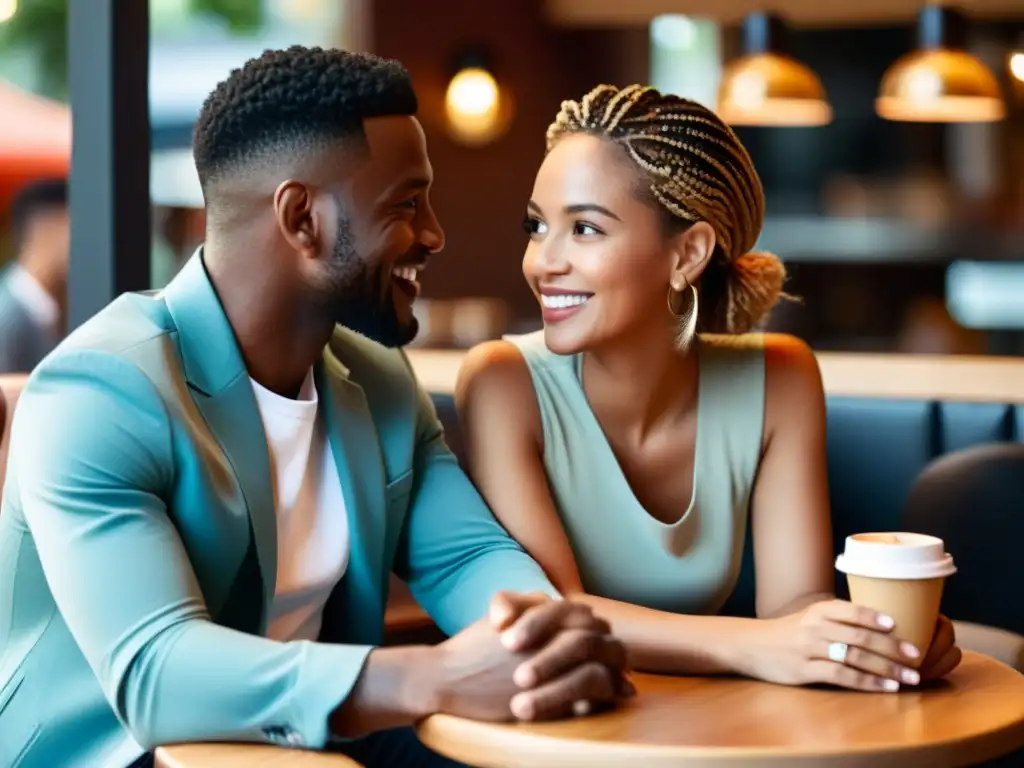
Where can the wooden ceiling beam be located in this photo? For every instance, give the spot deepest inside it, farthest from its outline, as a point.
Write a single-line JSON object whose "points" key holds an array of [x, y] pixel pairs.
{"points": [[830, 13]]}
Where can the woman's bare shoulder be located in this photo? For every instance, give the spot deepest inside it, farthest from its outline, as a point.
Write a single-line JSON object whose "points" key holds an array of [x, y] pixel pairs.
{"points": [[494, 365], [494, 383], [792, 379]]}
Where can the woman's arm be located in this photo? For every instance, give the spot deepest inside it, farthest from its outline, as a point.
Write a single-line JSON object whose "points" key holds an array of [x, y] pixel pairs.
{"points": [[790, 507], [502, 427], [792, 542]]}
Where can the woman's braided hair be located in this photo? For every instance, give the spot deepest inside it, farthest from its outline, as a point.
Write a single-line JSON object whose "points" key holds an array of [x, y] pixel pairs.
{"points": [[698, 171]]}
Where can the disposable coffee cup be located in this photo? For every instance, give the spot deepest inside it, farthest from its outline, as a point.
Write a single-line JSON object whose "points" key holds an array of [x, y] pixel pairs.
{"points": [[900, 575]]}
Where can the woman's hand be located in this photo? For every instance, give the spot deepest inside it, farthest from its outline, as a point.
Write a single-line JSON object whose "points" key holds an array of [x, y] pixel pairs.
{"points": [[944, 656], [838, 643]]}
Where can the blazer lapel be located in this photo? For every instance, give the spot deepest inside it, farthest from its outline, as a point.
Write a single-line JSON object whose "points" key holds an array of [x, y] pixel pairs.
{"points": [[222, 392], [234, 419], [355, 446]]}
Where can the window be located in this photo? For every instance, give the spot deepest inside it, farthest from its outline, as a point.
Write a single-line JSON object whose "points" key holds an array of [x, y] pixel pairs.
{"points": [[686, 57]]}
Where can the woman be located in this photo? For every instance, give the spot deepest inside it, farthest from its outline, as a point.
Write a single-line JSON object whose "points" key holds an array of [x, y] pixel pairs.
{"points": [[623, 450]]}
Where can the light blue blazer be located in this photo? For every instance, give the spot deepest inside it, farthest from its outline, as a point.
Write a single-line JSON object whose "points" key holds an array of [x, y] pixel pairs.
{"points": [[138, 546]]}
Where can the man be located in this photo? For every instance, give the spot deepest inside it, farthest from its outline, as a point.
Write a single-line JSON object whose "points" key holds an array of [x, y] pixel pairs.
{"points": [[33, 287], [210, 485]]}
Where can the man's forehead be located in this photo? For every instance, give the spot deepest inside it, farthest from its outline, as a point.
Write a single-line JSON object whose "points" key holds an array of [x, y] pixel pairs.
{"points": [[397, 148]]}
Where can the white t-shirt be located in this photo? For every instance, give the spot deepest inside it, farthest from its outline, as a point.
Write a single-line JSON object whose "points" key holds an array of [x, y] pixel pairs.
{"points": [[312, 525]]}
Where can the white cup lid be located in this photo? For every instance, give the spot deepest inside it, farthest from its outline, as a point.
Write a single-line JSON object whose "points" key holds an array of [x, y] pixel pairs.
{"points": [[895, 556]]}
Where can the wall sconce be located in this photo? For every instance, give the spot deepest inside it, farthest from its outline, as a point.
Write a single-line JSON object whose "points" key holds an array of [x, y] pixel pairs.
{"points": [[1016, 64], [940, 82], [477, 109], [767, 86]]}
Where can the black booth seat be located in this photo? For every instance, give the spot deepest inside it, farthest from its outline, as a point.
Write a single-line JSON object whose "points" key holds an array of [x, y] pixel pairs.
{"points": [[877, 448]]}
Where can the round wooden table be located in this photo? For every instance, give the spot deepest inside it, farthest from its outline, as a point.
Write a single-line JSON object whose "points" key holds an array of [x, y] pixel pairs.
{"points": [[246, 756], [975, 715]]}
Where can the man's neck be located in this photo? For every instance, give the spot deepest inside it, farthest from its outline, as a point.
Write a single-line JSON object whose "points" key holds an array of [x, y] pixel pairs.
{"points": [[279, 333]]}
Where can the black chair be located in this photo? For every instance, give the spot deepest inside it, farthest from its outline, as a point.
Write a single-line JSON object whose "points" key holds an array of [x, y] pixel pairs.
{"points": [[973, 500]]}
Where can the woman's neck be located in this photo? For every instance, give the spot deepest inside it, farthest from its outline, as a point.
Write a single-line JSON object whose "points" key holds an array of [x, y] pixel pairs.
{"points": [[641, 382]]}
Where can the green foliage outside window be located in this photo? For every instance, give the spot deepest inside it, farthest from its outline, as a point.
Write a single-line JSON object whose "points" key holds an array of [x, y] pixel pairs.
{"points": [[41, 25]]}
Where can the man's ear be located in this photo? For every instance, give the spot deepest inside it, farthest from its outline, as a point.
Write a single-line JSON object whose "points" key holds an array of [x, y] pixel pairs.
{"points": [[690, 251], [293, 208]]}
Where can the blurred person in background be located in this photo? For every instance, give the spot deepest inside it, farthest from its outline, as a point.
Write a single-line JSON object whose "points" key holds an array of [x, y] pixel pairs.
{"points": [[33, 287], [177, 232], [929, 329], [626, 444]]}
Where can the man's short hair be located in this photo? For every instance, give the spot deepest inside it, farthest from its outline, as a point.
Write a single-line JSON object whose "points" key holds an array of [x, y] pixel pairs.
{"points": [[35, 199], [295, 100]]}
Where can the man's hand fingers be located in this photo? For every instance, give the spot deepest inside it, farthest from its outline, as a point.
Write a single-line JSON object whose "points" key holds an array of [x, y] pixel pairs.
{"points": [[539, 624], [591, 682], [506, 607], [570, 649]]}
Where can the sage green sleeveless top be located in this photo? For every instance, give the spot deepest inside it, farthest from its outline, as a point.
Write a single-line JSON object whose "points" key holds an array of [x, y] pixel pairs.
{"points": [[692, 565]]}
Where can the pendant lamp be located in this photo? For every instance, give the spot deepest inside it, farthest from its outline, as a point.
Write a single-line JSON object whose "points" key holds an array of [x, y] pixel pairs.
{"points": [[940, 82], [767, 86]]}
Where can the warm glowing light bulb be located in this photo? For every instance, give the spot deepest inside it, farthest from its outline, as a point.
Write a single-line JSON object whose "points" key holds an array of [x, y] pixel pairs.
{"points": [[472, 92], [7, 10], [477, 110], [1017, 66]]}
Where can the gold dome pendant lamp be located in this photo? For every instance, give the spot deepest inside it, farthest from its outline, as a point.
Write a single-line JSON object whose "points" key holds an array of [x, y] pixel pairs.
{"points": [[940, 82], [768, 87]]}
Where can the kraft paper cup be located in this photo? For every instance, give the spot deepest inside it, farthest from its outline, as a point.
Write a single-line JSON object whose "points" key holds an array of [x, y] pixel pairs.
{"points": [[902, 576]]}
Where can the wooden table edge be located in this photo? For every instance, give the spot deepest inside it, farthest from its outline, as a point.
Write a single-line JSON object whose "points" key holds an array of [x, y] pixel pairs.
{"points": [[229, 755], [405, 617], [162, 758], [940, 754], [475, 741]]}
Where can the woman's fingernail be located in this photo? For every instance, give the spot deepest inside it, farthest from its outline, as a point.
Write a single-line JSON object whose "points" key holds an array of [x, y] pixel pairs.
{"points": [[510, 639], [910, 676], [885, 622], [890, 685], [909, 650]]}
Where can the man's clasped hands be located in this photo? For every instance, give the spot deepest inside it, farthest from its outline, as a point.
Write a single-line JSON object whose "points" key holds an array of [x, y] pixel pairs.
{"points": [[532, 658]]}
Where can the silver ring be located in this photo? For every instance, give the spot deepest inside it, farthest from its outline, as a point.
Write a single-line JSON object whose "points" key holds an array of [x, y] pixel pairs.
{"points": [[837, 652]]}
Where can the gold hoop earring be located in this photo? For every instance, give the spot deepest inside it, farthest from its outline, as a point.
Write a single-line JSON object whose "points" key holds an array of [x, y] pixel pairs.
{"points": [[675, 300], [688, 329]]}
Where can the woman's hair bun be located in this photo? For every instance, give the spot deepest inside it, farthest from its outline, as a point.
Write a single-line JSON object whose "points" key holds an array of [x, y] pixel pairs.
{"points": [[753, 288]]}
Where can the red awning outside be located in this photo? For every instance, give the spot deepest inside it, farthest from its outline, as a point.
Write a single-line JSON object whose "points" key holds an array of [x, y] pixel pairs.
{"points": [[35, 139]]}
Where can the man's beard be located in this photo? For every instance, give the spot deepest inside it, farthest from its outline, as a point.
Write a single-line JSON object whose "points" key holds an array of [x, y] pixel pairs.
{"points": [[363, 296]]}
